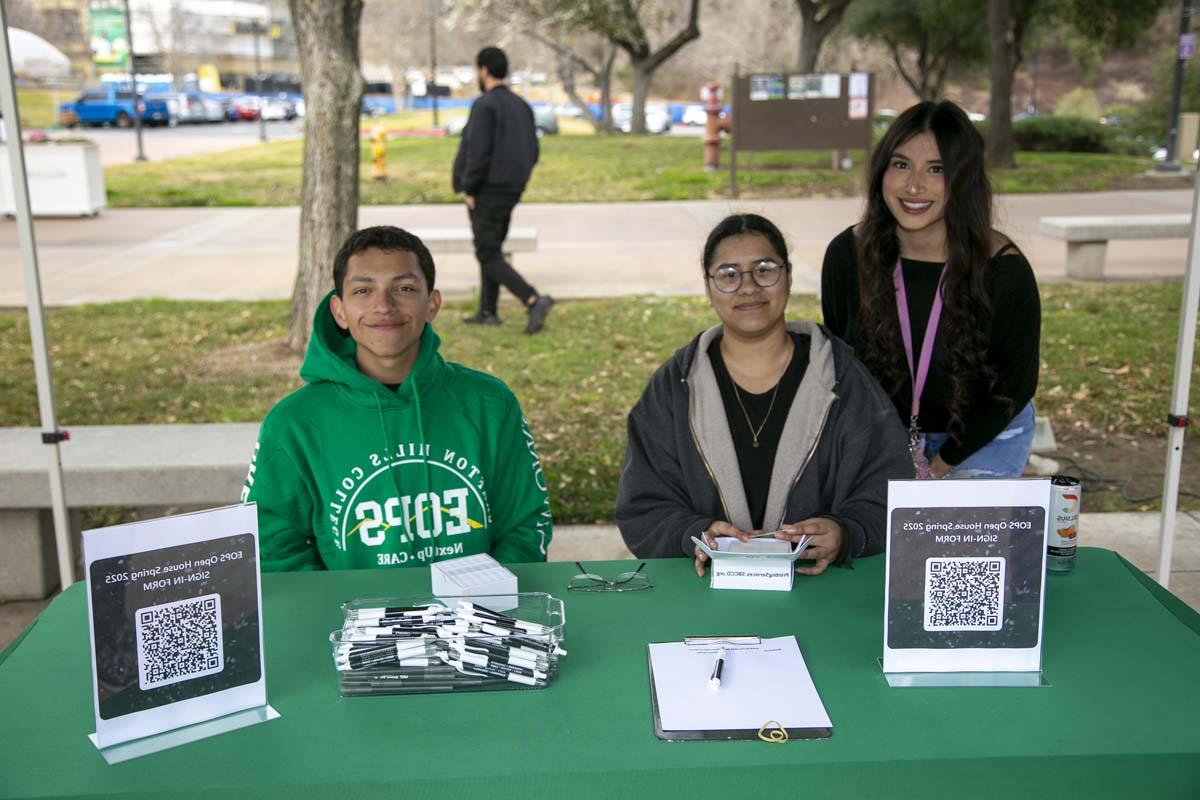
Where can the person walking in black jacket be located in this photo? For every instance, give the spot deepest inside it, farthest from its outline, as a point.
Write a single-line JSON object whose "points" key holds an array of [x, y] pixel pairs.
{"points": [[497, 153]]}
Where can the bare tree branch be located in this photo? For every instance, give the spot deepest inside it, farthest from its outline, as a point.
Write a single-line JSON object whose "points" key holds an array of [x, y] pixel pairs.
{"points": [[690, 33]]}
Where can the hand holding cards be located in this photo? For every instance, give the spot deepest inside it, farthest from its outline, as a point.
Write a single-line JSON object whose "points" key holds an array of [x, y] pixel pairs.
{"points": [[758, 563]]}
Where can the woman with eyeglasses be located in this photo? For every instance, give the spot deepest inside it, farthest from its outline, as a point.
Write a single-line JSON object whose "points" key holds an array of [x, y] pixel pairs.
{"points": [[942, 308], [759, 424]]}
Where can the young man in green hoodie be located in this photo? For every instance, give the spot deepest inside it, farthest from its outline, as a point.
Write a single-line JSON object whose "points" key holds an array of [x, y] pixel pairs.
{"points": [[391, 456]]}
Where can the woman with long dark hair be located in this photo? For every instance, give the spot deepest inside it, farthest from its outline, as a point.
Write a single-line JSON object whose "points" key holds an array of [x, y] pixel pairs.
{"points": [[758, 424], [940, 306]]}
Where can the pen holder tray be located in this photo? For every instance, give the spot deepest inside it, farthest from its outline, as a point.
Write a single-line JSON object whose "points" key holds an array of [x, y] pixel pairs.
{"points": [[446, 648]]}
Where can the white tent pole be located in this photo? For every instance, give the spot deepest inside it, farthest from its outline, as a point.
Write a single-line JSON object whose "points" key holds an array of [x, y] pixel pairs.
{"points": [[1177, 417], [33, 293]]}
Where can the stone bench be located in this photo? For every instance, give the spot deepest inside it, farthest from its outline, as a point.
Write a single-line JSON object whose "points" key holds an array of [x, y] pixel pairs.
{"points": [[108, 465], [459, 240], [1087, 237]]}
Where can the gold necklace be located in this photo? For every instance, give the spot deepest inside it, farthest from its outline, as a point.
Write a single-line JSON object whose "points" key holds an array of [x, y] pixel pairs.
{"points": [[738, 394]]}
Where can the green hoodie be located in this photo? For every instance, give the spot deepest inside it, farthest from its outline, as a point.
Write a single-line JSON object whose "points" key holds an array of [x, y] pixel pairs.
{"points": [[349, 474]]}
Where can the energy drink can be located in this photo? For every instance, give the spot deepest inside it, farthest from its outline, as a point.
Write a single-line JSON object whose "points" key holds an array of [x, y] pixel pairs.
{"points": [[1064, 524]]}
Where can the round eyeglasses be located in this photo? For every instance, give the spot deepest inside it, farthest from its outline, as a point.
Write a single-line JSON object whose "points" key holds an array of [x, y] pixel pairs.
{"points": [[728, 278], [586, 581]]}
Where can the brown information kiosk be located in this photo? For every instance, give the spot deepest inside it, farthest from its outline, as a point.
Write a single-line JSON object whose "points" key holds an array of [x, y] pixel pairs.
{"points": [[782, 111]]}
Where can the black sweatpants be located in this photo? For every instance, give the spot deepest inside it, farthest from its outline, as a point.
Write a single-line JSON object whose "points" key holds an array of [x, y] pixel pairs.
{"points": [[489, 225]]}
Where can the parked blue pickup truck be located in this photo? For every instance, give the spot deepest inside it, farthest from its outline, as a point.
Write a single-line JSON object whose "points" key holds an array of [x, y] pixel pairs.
{"points": [[113, 107]]}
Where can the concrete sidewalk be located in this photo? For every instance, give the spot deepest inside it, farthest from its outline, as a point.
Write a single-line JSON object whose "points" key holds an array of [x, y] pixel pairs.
{"points": [[1134, 535], [585, 250]]}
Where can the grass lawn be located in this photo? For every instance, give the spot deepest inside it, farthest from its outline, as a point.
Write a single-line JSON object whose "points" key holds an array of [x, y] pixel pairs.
{"points": [[573, 168], [1107, 358], [39, 107]]}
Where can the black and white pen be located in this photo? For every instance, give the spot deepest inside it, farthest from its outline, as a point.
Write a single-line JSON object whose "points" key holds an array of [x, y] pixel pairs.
{"points": [[714, 682]]}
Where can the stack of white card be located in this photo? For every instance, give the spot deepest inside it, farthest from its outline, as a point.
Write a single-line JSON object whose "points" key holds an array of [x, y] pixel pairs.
{"points": [[479, 577]]}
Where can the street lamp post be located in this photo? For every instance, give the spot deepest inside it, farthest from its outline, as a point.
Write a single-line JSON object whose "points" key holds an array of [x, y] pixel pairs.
{"points": [[262, 123], [137, 97], [430, 87], [1186, 49]]}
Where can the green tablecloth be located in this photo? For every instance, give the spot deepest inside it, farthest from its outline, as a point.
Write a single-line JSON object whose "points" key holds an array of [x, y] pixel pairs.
{"points": [[1122, 718]]}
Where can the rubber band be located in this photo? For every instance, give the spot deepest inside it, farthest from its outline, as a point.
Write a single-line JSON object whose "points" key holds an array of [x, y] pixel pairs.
{"points": [[772, 735]]}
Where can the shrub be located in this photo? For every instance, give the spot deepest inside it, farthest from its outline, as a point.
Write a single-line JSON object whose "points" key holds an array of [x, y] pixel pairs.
{"points": [[1060, 135], [1078, 103]]}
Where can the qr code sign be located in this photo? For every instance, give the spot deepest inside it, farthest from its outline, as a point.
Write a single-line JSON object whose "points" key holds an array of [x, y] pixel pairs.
{"points": [[179, 641], [964, 594]]}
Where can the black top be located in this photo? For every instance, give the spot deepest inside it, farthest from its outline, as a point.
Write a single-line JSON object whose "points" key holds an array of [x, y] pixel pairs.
{"points": [[499, 145], [756, 463], [1012, 344]]}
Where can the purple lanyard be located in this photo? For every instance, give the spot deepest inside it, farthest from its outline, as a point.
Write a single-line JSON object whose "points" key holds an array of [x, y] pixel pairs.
{"points": [[920, 371]]}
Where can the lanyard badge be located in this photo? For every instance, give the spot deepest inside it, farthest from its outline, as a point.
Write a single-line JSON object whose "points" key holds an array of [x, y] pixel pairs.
{"points": [[916, 448], [918, 371]]}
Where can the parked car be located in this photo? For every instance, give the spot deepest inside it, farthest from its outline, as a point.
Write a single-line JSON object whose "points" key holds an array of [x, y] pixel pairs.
{"points": [[568, 110], [108, 107], [244, 107], [695, 114], [378, 105], [546, 121], [195, 108], [172, 102], [277, 108], [658, 117]]}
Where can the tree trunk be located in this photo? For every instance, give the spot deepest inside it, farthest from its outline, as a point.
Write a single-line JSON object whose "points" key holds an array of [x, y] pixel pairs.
{"points": [[601, 120], [813, 31], [646, 62], [1004, 64], [606, 120], [810, 46], [642, 75], [327, 38], [566, 76]]}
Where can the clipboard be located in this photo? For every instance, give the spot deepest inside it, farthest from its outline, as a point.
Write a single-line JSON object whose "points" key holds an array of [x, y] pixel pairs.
{"points": [[791, 694]]}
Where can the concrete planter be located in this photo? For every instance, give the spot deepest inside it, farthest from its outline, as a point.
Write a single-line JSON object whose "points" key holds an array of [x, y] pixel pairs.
{"points": [[65, 179]]}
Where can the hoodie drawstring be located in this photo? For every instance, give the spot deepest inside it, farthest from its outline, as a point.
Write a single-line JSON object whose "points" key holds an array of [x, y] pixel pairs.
{"points": [[421, 435], [390, 452]]}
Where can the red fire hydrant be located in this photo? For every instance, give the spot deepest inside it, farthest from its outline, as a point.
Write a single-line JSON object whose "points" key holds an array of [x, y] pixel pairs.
{"points": [[710, 95]]}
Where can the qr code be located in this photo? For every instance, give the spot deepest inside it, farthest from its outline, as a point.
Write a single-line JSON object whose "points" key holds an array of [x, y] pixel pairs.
{"points": [[179, 641], [964, 594]]}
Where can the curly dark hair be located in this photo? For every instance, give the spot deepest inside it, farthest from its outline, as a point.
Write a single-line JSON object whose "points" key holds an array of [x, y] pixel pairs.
{"points": [[967, 311], [388, 238]]}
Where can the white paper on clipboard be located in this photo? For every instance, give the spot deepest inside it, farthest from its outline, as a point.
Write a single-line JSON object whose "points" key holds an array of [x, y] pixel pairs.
{"points": [[762, 682]]}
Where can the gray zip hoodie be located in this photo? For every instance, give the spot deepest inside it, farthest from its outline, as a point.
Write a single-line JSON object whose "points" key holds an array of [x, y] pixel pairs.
{"points": [[842, 441]]}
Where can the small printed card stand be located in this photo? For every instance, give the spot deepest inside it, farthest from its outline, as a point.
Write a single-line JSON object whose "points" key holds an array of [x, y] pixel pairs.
{"points": [[175, 623], [475, 576], [766, 564], [965, 590]]}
